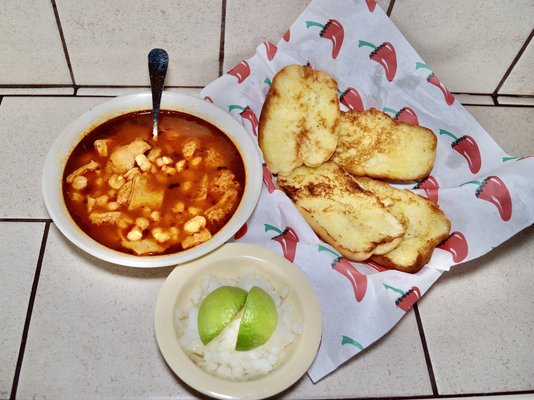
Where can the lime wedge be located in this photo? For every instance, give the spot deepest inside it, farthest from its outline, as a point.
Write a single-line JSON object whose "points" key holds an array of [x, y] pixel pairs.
{"points": [[258, 322], [218, 309]]}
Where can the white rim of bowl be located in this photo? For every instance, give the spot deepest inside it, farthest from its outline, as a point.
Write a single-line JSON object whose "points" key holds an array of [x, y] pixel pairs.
{"points": [[275, 382], [70, 136]]}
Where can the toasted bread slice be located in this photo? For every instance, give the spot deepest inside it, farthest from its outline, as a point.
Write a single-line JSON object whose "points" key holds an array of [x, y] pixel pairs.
{"points": [[371, 143], [425, 225], [350, 219], [298, 121]]}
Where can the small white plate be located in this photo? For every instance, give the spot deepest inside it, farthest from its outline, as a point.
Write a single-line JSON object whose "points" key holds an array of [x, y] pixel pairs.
{"points": [[230, 261]]}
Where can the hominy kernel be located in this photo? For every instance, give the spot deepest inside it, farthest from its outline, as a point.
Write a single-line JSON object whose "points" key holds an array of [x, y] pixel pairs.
{"points": [[75, 196], [102, 200], [160, 235], [169, 170], [79, 183], [195, 162], [142, 222], [116, 181], [143, 162], [194, 210], [178, 207], [135, 234], [180, 165], [186, 186], [113, 205], [195, 224], [155, 216]]}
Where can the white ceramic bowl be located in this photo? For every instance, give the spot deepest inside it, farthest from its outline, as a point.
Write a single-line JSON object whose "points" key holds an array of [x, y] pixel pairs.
{"points": [[58, 154], [229, 262]]}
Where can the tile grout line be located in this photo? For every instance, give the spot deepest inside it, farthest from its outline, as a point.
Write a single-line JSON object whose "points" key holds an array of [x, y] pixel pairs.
{"points": [[223, 34], [431, 375], [7, 219], [512, 66], [390, 8], [64, 44], [29, 311]]}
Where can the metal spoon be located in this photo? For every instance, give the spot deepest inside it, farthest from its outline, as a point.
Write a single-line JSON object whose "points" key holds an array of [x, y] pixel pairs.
{"points": [[158, 60]]}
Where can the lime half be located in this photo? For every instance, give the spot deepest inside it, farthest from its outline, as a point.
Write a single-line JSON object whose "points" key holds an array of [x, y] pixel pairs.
{"points": [[258, 322], [218, 309]]}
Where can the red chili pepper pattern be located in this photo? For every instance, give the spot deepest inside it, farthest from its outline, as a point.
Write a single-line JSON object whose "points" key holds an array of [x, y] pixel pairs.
{"points": [[494, 190], [241, 232], [351, 99], [407, 299], [333, 31], [287, 238], [405, 114], [268, 179], [385, 55], [241, 71], [505, 159], [434, 80], [247, 114], [371, 4], [348, 340], [270, 50], [457, 245], [357, 280], [376, 266], [287, 35], [430, 185], [468, 148]]}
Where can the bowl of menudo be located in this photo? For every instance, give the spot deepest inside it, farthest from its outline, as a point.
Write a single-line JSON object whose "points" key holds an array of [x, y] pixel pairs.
{"points": [[128, 197]]}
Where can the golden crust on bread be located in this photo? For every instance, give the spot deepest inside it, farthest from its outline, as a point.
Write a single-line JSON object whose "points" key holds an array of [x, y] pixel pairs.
{"points": [[299, 119], [371, 143], [344, 215], [425, 225]]}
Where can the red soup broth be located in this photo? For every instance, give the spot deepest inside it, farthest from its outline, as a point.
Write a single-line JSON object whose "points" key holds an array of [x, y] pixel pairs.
{"points": [[146, 196]]}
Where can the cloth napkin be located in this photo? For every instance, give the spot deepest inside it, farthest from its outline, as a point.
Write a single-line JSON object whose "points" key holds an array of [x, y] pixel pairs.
{"points": [[487, 194]]}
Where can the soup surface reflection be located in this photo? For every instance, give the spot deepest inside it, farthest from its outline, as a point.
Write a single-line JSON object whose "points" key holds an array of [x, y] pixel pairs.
{"points": [[147, 196]]}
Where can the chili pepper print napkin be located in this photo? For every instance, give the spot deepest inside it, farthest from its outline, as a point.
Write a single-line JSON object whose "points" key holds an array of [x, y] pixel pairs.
{"points": [[487, 194]]}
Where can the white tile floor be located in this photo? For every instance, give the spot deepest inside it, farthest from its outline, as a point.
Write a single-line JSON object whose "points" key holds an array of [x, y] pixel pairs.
{"points": [[89, 333]]}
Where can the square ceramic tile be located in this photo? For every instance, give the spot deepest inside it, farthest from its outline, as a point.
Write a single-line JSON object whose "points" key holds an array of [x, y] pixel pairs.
{"points": [[474, 99], [478, 322], [32, 52], [468, 44], [516, 100], [92, 331], [29, 90], [109, 41], [20, 243], [31, 124], [520, 79], [393, 366], [510, 127], [112, 92], [249, 26]]}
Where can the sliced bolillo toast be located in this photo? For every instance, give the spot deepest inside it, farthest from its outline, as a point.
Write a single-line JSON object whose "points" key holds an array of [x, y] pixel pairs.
{"points": [[425, 225], [299, 119], [371, 143], [350, 219]]}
